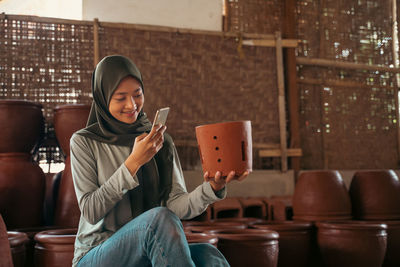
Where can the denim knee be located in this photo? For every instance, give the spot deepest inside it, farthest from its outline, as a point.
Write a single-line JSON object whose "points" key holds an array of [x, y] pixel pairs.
{"points": [[164, 215]]}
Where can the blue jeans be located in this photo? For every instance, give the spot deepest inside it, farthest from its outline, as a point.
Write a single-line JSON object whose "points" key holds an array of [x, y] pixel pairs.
{"points": [[155, 238]]}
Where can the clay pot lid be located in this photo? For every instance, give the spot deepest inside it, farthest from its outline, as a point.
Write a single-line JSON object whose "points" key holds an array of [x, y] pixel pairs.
{"points": [[221, 123], [19, 102], [17, 238], [215, 223], [61, 236], [284, 225], [71, 106], [352, 225], [246, 220], [248, 234]]}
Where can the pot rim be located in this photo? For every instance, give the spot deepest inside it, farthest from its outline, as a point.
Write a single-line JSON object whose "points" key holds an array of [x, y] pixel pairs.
{"points": [[351, 225], [20, 102], [223, 123], [71, 106]]}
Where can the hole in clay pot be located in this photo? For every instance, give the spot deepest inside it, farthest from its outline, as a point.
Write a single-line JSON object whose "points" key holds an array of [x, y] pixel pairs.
{"points": [[217, 148], [215, 137], [219, 160], [243, 152]]}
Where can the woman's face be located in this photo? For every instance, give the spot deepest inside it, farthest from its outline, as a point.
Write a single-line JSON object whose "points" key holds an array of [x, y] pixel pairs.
{"points": [[127, 100]]}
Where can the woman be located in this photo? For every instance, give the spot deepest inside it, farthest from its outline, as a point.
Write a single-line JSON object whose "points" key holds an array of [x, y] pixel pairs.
{"points": [[129, 182]]}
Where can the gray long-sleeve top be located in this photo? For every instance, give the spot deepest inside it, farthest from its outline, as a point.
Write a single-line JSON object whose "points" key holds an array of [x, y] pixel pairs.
{"points": [[101, 182]]}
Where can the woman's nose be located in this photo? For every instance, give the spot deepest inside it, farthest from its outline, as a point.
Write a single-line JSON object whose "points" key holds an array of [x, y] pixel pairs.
{"points": [[131, 103]]}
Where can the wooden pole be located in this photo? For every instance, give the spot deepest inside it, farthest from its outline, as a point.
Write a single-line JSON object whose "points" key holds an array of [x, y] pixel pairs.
{"points": [[281, 101], [289, 32], [96, 53]]}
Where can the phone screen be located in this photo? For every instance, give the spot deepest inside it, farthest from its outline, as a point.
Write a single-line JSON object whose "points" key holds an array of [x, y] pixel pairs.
{"points": [[161, 116]]}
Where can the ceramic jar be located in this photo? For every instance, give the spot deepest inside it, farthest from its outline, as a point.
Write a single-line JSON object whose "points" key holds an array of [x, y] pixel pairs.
{"points": [[201, 238], [245, 220], [225, 147], [67, 120], [22, 186], [249, 247], [392, 257], [201, 227], [18, 242], [55, 248], [375, 195], [5, 250], [294, 241], [321, 195], [22, 125], [227, 208], [351, 244]]}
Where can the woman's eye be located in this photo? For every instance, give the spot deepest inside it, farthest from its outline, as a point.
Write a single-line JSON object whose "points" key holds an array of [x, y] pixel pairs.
{"points": [[138, 96], [120, 99]]}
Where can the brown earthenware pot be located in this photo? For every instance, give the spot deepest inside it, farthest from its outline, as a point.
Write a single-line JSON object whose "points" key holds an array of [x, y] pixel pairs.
{"points": [[22, 189], [18, 242], [321, 195], [55, 248], [294, 241], [253, 207], [201, 238], [67, 120], [375, 195], [351, 244], [5, 250], [248, 247], [22, 125], [225, 147], [67, 213], [201, 227]]}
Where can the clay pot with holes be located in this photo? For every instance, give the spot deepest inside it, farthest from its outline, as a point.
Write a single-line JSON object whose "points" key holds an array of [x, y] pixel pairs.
{"points": [[5, 250], [67, 120], [225, 147], [22, 189], [55, 248], [248, 247], [18, 242], [350, 244], [295, 239], [22, 125], [375, 195], [201, 238], [321, 195]]}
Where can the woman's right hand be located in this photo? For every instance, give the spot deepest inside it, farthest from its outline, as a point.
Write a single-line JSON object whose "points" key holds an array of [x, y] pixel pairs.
{"points": [[145, 147]]}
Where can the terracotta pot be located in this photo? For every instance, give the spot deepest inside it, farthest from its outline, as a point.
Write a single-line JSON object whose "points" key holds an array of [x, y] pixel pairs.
{"points": [[18, 242], [67, 120], [201, 238], [321, 195], [22, 189], [350, 244], [225, 147], [248, 247], [5, 250], [55, 248], [253, 207], [201, 227], [227, 208], [279, 208], [67, 213], [22, 125], [294, 241], [375, 195]]}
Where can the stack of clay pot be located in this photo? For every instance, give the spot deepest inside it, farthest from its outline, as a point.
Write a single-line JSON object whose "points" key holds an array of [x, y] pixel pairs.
{"points": [[67, 120], [375, 196], [227, 208], [22, 181], [253, 207]]}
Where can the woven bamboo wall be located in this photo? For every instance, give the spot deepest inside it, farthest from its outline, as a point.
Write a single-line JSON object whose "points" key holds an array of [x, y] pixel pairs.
{"points": [[348, 117]]}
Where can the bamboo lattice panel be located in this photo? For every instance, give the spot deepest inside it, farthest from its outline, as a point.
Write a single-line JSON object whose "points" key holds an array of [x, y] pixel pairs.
{"points": [[348, 117]]}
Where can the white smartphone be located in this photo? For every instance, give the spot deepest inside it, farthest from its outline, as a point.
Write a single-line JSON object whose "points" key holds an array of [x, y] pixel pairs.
{"points": [[161, 116]]}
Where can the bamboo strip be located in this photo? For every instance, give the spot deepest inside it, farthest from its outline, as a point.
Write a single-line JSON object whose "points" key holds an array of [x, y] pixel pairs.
{"points": [[96, 53], [344, 65], [292, 43], [271, 153], [336, 83], [281, 101]]}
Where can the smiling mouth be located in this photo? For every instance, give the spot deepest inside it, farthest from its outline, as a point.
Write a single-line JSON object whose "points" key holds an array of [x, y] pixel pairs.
{"points": [[130, 113]]}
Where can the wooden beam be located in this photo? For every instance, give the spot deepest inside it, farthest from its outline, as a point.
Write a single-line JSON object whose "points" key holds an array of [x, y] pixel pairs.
{"points": [[343, 64], [275, 153], [271, 43], [96, 52], [341, 83], [281, 101]]}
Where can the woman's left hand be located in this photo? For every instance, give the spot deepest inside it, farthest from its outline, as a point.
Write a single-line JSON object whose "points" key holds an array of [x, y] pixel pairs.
{"points": [[219, 182]]}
